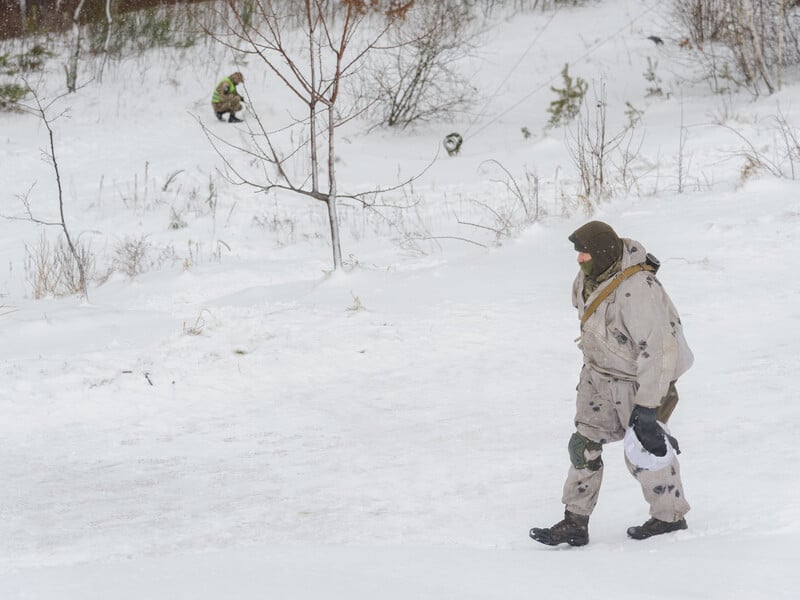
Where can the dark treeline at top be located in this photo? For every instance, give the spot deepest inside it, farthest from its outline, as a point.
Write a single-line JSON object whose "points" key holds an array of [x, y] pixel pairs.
{"points": [[19, 17]]}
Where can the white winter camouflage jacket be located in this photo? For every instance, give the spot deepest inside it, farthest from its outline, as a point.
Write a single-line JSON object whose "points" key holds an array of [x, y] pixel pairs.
{"points": [[635, 334]]}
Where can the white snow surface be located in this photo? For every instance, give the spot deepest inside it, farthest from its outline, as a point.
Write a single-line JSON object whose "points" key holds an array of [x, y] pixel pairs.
{"points": [[239, 422]]}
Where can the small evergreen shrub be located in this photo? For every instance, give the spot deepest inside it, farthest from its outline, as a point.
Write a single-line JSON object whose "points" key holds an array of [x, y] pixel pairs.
{"points": [[654, 89], [10, 94], [12, 66], [33, 59], [6, 68], [570, 98], [157, 27]]}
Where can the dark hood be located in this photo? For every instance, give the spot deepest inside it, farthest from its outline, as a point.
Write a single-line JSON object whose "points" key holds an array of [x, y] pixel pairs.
{"points": [[599, 240]]}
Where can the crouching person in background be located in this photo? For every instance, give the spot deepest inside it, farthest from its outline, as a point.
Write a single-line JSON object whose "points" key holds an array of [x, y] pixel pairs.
{"points": [[226, 99]]}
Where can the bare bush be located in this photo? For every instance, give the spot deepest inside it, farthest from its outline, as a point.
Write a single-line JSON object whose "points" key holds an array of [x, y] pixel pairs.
{"points": [[784, 159], [284, 229], [604, 161], [416, 77], [759, 37], [526, 197], [131, 256], [54, 271], [521, 6], [196, 255], [134, 256], [510, 213], [701, 20]]}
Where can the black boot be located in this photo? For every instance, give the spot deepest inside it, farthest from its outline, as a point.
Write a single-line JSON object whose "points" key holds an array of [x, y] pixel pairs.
{"points": [[655, 526], [234, 119], [573, 530], [219, 115]]}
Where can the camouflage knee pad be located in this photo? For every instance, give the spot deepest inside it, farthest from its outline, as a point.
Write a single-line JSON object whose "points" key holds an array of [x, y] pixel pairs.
{"points": [[578, 446]]}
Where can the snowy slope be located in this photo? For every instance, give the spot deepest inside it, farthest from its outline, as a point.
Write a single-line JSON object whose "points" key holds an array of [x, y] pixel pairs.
{"points": [[238, 422]]}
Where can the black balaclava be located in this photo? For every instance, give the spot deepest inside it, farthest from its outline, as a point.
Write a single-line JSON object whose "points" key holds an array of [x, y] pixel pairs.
{"points": [[599, 240]]}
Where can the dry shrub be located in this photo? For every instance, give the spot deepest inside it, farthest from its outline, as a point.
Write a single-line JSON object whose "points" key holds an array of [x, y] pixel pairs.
{"points": [[761, 38], [416, 78], [52, 271], [134, 256]]}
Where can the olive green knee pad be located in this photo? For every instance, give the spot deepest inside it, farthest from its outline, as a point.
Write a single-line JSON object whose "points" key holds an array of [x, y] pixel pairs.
{"points": [[578, 445]]}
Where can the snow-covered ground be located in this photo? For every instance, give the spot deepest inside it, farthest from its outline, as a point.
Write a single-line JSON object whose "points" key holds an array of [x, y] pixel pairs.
{"points": [[239, 422]]}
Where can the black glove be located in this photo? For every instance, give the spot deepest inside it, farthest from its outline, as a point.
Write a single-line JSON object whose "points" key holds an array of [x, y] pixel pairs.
{"points": [[647, 430]]}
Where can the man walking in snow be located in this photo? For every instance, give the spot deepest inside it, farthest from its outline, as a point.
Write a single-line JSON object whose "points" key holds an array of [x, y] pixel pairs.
{"points": [[226, 99], [633, 352]]}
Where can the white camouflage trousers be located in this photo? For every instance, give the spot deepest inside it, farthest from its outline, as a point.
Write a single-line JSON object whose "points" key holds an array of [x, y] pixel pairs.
{"points": [[604, 406]]}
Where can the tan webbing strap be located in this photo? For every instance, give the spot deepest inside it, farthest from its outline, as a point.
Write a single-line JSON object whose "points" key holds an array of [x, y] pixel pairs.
{"points": [[618, 278]]}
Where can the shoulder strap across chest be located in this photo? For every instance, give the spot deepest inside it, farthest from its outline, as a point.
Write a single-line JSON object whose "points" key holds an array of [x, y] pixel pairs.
{"points": [[614, 284]]}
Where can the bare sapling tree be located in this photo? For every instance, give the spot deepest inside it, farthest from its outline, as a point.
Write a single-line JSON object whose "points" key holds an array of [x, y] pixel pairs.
{"points": [[107, 42], [311, 62], [751, 44], [23, 12], [71, 70], [79, 255]]}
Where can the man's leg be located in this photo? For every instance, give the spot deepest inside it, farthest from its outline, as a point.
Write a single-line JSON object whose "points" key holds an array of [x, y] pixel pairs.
{"points": [[585, 475], [596, 422], [663, 491], [662, 488]]}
